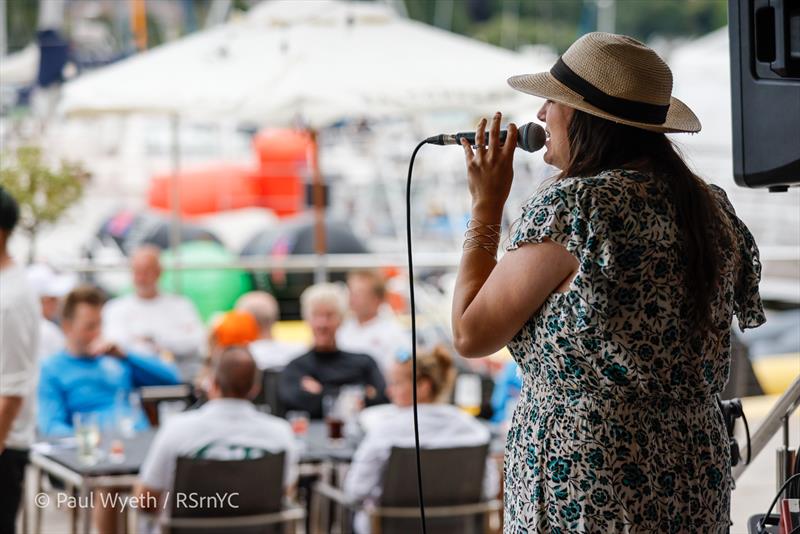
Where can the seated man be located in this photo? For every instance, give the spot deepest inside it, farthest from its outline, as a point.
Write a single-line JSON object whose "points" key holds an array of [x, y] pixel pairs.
{"points": [[227, 427], [325, 368], [267, 351], [92, 374], [372, 328], [151, 322], [51, 288], [231, 329]]}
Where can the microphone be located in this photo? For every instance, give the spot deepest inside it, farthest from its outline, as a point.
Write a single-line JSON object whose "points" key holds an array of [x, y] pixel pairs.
{"points": [[530, 137]]}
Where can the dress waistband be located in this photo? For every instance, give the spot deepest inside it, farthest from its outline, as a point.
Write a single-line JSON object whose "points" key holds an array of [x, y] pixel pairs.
{"points": [[582, 401]]}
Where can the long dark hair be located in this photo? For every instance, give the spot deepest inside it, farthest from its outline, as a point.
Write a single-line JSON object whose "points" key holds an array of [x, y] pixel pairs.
{"points": [[598, 144]]}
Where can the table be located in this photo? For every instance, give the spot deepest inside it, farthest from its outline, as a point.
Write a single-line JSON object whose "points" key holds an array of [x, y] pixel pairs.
{"points": [[59, 459]]}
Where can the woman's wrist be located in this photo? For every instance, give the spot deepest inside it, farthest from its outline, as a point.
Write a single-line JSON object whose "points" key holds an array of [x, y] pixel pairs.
{"points": [[487, 213]]}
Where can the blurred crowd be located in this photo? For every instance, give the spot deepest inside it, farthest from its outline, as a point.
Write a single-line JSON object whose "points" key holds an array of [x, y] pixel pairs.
{"points": [[69, 352]]}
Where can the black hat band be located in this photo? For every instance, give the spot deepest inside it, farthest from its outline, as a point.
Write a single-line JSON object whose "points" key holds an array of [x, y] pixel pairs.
{"points": [[620, 107]]}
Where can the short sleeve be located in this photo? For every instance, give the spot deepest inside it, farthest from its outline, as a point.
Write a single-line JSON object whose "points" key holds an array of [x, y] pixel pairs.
{"points": [[570, 212], [158, 470], [18, 347], [747, 305]]}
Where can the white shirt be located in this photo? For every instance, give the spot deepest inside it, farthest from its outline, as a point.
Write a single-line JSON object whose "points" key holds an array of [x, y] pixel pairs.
{"points": [[170, 321], [20, 314], [380, 337], [222, 429], [272, 354], [51, 339], [440, 426]]}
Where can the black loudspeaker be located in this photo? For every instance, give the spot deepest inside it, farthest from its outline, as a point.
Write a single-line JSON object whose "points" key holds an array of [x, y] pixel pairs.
{"points": [[765, 92]]}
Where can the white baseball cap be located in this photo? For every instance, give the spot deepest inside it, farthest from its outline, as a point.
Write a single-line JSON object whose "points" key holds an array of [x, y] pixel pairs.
{"points": [[48, 283]]}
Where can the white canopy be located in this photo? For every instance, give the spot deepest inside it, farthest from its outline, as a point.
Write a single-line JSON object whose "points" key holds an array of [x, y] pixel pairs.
{"points": [[701, 70], [20, 68], [318, 59]]}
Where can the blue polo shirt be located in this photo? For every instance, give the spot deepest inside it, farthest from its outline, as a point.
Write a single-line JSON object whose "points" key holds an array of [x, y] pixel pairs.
{"points": [[72, 384]]}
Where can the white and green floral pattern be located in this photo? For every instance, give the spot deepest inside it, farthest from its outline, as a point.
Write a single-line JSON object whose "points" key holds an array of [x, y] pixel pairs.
{"points": [[617, 428]]}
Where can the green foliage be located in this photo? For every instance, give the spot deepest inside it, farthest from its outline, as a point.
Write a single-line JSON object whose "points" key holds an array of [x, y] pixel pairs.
{"points": [[43, 193], [559, 35], [559, 22], [21, 16], [670, 17]]}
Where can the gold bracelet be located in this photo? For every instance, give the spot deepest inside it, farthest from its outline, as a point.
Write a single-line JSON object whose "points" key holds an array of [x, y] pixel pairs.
{"points": [[477, 228], [472, 243], [482, 236]]}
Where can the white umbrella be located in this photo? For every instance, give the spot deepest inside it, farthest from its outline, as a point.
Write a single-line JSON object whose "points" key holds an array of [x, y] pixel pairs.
{"points": [[320, 60], [200, 76], [20, 68], [317, 60]]}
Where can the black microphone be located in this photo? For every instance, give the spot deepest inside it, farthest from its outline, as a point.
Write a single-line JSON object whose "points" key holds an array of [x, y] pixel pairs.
{"points": [[530, 137]]}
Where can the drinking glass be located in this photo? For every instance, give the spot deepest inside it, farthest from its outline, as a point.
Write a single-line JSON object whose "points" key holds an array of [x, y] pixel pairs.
{"points": [[331, 411], [468, 393], [299, 421], [127, 412], [87, 434]]}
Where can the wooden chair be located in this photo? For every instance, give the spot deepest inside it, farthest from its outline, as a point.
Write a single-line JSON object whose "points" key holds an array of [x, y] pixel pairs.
{"points": [[239, 496], [452, 486]]}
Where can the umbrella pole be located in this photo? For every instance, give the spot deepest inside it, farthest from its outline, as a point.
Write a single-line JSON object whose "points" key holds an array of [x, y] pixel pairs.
{"points": [[175, 203], [320, 245]]}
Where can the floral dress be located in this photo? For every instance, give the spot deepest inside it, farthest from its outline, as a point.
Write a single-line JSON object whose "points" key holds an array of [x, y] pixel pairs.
{"points": [[618, 428]]}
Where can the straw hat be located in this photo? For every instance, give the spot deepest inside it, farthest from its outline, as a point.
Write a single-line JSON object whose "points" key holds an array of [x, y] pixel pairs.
{"points": [[614, 77]]}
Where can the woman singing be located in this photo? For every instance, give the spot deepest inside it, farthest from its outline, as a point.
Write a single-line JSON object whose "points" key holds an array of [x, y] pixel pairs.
{"points": [[615, 297]]}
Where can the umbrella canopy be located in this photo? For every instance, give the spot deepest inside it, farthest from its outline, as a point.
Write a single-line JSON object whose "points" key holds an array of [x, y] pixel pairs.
{"points": [[128, 230], [297, 237], [321, 60]]}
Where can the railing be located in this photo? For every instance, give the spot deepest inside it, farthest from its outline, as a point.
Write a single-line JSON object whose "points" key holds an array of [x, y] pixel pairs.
{"points": [[776, 419], [290, 263]]}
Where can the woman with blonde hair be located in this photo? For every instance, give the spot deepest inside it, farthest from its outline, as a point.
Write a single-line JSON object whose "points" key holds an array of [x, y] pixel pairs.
{"points": [[441, 425]]}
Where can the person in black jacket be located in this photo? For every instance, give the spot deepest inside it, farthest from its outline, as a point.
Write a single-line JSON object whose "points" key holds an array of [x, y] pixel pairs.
{"points": [[324, 369]]}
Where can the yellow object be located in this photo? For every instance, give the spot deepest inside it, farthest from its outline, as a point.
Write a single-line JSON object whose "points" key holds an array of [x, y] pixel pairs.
{"points": [[757, 408], [776, 373], [471, 410], [292, 331], [139, 23]]}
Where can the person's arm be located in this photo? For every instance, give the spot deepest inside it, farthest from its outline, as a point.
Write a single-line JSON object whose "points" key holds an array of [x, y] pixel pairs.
{"points": [[17, 369], [9, 409], [51, 414], [185, 334], [491, 479], [291, 462], [115, 328], [366, 470], [493, 300], [149, 371], [150, 499], [155, 476], [376, 381], [292, 393]]}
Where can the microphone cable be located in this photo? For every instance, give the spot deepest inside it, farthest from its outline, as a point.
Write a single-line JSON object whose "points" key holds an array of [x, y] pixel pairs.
{"points": [[763, 521], [414, 334]]}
